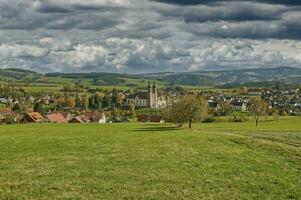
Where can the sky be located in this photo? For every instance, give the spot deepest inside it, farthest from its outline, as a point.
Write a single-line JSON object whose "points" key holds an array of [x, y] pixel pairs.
{"points": [[143, 36]]}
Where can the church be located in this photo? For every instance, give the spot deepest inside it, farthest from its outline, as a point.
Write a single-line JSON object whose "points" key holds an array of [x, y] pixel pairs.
{"points": [[147, 99]]}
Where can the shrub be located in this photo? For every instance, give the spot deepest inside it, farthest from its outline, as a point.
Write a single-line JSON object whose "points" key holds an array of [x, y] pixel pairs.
{"points": [[209, 120], [235, 120]]}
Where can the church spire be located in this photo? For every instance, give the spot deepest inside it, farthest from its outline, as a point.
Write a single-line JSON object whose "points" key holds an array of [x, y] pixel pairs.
{"points": [[154, 85]]}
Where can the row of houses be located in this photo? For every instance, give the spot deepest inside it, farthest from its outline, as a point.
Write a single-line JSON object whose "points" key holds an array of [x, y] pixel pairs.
{"points": [[237, 105], [56, 117], [288, 100]]}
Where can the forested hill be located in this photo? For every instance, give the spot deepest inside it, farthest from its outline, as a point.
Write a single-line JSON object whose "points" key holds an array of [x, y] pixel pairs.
{"points": [[197, 78]]}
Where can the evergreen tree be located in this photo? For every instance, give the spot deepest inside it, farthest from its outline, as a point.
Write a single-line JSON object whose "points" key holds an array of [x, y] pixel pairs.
{"points": [[78, 101], [38, 107], [85, 102]]}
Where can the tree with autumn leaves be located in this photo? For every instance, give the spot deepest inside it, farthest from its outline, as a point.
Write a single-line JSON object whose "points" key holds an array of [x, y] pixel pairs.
{"points": [[188, 109]]}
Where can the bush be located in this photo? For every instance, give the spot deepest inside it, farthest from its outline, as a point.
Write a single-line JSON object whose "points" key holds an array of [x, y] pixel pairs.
{"points": [[209, 120], [235, 120], [239, 119]]}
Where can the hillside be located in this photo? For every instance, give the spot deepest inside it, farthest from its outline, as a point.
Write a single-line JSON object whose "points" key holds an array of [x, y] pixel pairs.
{"points": [[209, 78], [256, 76], [15, 74]]}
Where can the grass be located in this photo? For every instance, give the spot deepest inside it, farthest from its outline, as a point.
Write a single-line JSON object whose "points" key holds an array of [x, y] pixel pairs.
{"points": [[152, 161]]}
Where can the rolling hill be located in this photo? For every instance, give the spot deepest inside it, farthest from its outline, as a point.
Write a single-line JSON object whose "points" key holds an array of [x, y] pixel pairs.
{"points": [[287, 75], [242, 76]]}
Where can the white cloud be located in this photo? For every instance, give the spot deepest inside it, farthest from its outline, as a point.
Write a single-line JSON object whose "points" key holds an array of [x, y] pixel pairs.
{"points": [[8, 51]]}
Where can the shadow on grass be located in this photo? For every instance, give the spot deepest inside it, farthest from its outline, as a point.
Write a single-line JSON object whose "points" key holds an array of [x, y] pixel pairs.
{"points": [[156, 128]]}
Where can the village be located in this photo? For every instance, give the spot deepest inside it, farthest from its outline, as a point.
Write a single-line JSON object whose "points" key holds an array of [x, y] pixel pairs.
{"points": [[147, 105]]}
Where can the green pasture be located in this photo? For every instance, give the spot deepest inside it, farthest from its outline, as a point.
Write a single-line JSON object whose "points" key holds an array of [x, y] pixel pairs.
{"points": [[152, 161]]}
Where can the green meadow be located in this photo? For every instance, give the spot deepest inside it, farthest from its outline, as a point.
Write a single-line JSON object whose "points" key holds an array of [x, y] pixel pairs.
{"points": [[152, 161]]}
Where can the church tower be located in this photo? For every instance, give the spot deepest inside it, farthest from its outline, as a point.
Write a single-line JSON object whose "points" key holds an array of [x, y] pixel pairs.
{"points": [[149, 95], [152, 95], [155, 96]]}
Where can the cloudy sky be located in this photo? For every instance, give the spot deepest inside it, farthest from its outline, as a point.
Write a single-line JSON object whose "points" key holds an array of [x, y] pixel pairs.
{"points": [[139, 36]]}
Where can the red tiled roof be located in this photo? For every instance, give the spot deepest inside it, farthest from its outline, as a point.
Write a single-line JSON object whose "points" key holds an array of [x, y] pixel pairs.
{"points": [[155, 118], [35, 116], [142, 118], [77, 120], [57, 118], [5, 110]]}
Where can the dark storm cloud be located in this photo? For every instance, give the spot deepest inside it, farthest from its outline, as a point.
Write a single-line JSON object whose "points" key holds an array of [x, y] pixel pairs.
{"points": [[233, 11], [50, 8], [198, 2], [144, 35]]}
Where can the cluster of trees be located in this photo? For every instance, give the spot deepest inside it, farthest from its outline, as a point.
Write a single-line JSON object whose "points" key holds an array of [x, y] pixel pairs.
{"points": [[76, 87], [83, 102], [12, 90], [191, 108]]}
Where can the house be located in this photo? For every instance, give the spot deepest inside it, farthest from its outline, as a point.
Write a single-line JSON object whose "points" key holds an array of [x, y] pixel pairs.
{"points": [[68, 116], [11, 118], [239, 106], [33, 117], [96, 117], [162, 102], [119, 120], [149, 118], [56, 118], [155, 118], [91, 116], [3, 100], [138, 99], [5, 111], [76, 120], [213, 104], [142, 118], [102, 119]]}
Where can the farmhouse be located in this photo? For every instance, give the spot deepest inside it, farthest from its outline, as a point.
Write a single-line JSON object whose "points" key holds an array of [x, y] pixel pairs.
{"points": [[33, 117], [5, 111], [67, 115], [102, 119], [96, 117], [239, 106], [56, 118], [213, 104], [76, 120]]}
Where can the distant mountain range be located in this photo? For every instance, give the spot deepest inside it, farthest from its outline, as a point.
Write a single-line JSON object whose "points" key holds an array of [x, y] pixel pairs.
{"points": [[287, 75]]}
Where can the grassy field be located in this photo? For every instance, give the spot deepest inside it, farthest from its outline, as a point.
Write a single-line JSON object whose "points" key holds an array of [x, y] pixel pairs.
{"points": [[149, 161]]}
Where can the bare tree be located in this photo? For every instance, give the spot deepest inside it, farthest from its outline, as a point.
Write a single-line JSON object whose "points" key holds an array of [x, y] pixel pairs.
{"points": [[258, 107]]}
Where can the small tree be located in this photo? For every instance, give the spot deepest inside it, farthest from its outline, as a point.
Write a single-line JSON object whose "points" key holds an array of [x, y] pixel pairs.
{"points": [[224, 109], [70, 102], [78, 101], [132, 109], [187, 109], [119, 99], [243, 91], [258, 107]]}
